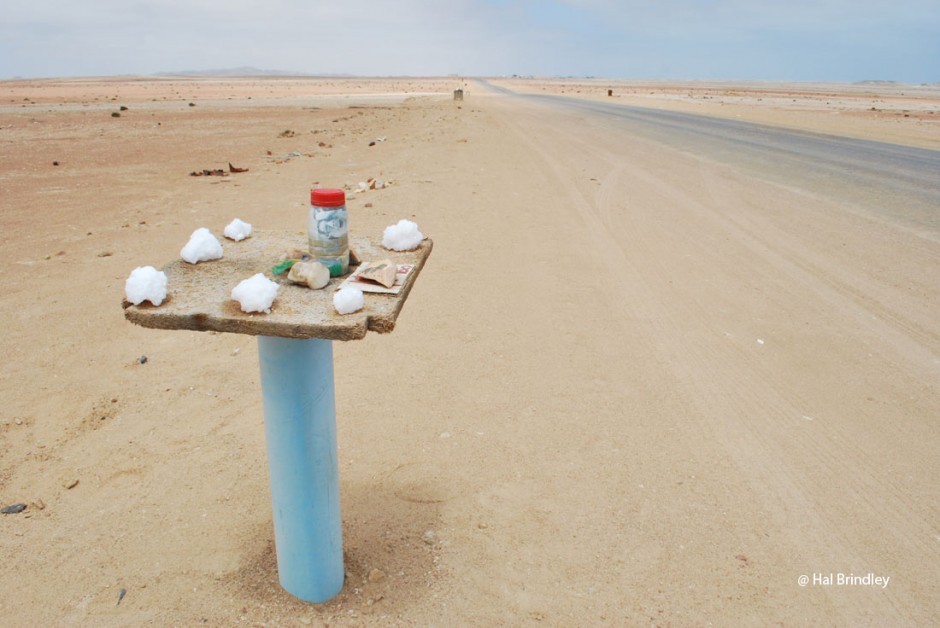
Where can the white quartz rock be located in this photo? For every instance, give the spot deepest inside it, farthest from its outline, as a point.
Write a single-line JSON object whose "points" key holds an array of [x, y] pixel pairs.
{"points": [[314, 275]]}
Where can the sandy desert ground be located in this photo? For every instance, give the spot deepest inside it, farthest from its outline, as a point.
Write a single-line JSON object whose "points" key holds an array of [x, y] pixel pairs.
{"points": [[710, 387]]}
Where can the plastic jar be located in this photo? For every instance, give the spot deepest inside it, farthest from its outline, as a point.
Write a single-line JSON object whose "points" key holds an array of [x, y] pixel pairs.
{"points": [[328, 228]]}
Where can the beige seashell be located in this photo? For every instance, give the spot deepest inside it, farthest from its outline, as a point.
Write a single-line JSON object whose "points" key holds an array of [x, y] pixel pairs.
{"points": [[311, 274]]}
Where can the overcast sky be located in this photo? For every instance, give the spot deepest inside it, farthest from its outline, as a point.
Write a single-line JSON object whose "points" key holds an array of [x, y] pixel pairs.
{"points": [[794, 40]]}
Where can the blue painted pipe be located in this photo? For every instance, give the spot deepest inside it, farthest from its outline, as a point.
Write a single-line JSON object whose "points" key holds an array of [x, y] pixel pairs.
{"points": [[300, 428]]}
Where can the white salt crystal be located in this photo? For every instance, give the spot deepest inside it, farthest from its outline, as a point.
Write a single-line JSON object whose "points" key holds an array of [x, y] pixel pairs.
{"points": [[255, 294], [402, 237], [146, 283], [348, 300], [202, 247], [237, 230]]}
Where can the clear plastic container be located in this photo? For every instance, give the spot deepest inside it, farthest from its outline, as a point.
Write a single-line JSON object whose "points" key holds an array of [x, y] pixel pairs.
{"points": [[328, 229]]}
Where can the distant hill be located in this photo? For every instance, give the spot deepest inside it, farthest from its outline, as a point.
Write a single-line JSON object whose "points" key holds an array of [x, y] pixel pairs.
{"points": [[882, 83], [242, 71], [877, 82]]}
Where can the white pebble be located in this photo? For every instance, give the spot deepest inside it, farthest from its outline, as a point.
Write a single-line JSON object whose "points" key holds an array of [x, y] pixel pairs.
{"points": [[255, 294], [237, 230], [202, 247], [145, 283], [348, 300], [402, 237]]}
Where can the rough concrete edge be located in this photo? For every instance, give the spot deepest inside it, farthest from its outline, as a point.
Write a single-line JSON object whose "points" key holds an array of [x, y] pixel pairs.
{"points": [[259, 328], [386, 324], [380, 324]]}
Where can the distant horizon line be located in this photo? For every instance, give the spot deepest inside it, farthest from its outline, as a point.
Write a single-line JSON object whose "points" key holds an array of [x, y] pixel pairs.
{"points": [[252, 72]]}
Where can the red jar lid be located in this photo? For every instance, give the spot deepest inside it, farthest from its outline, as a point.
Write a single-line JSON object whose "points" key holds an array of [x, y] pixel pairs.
{"points": [[327, 197]]}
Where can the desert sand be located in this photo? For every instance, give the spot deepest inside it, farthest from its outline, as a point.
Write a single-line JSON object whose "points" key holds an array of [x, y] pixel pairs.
{"points": [[629, 387]]}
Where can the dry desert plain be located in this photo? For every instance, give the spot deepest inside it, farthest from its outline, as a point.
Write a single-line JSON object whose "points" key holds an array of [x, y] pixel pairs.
{"points": [[664, 411]]}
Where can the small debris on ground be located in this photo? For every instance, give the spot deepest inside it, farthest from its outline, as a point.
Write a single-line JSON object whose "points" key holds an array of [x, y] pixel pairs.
{"points": [[13, 509], [142, 359], [71, 484], [369, 184], [232, 168], [121, 593], [279, 159], [217, 172]]}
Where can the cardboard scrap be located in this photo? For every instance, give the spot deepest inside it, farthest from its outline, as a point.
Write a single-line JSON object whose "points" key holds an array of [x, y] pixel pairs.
{"points": [[382, 271], [366, 285]]}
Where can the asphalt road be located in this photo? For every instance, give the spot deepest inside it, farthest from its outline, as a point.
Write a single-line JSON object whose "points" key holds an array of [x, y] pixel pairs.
{"points": [[892, 182]]}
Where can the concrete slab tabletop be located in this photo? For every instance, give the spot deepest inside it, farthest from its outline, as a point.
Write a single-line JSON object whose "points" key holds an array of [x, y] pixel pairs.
{"points": [[199, 295]]}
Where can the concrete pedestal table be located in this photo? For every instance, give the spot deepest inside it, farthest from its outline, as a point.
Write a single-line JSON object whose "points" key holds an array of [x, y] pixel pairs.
{"points": [[296, 354]]}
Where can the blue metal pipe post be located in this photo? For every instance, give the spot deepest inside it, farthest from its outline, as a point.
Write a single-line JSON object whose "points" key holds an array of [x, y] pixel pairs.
{"points": [[300, 428]]}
